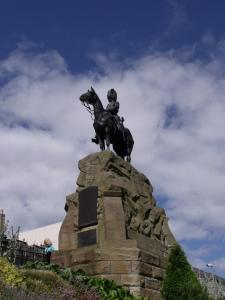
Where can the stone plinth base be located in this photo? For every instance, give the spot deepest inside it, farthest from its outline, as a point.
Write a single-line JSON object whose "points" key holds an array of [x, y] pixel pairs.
{"points": [[113, 227], [139, 271]]}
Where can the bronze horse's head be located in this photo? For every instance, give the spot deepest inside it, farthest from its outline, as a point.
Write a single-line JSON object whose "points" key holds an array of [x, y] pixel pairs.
{"points": [[89, 97]]}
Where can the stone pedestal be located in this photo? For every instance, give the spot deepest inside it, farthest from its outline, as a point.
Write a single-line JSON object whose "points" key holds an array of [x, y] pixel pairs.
{"points": [[113, 228]]}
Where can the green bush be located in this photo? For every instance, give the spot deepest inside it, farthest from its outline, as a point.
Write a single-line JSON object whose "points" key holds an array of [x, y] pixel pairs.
{"points": [[16, 293], [109, 290], [43, 281], [32, 284], [9, 274], [73, 279], [94, 287], [180, 281], [49, 283]]}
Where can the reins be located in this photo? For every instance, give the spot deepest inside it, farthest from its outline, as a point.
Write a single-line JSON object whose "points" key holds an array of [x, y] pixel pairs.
{"points": [[89, 109]]}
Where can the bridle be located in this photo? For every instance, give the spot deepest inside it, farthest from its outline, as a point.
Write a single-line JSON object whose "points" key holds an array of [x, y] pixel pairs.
{"points": [[89, 109]]}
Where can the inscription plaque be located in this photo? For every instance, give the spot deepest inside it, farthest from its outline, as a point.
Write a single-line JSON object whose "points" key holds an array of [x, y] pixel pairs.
{"points": [[88, 207], [86, 238]]}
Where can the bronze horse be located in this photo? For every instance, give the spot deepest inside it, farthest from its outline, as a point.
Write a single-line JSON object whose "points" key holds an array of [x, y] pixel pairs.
{"points": [[105, 128]]}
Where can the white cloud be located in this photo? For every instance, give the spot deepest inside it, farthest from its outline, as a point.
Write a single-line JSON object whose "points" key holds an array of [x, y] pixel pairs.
{"points": [[219, 265], [44, 132]]}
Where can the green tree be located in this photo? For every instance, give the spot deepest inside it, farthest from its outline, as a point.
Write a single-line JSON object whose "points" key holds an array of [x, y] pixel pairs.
{"points": [[180, 281], [9, 242]]}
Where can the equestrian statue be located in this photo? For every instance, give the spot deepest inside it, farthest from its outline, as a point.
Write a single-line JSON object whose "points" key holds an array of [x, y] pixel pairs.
{"points": [[109, 128]]}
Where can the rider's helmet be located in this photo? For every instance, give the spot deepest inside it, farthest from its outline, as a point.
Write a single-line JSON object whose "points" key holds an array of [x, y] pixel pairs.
{"points": [[112, 95]]}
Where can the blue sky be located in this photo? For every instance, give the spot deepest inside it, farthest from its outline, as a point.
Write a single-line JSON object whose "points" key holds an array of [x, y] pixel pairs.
{"points": [[166, 60], [80, 29]]}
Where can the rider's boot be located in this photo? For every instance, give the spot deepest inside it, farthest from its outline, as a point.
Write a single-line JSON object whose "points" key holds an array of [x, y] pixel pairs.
{"points": [[95, 140]]}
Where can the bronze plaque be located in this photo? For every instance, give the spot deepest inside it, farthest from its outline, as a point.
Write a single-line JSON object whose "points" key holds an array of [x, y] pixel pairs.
{"points": [[87, 238], [88, 207]]}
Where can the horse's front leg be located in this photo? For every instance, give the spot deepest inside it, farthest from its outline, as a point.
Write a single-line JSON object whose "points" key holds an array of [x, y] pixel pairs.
{"points": [[107, 137], [100, 136], [101, 143]]}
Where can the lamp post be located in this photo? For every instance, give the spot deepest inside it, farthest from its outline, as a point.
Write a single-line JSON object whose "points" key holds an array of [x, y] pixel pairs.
{"points": [[2, 220]]}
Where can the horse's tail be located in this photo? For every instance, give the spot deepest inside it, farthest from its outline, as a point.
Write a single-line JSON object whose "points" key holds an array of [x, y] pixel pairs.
{"points": [[128, 137]]}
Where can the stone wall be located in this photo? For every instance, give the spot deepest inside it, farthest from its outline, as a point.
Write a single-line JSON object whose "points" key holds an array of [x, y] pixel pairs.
{"points": [[214, 284]]}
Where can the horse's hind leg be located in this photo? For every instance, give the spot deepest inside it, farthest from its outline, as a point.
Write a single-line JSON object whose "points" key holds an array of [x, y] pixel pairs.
{"points": [[99, 136], [107, 138], [101, 143], [129, 150]]}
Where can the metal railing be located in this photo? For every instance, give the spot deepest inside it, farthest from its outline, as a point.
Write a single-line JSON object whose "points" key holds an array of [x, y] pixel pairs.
{"points": [[24, 252]]}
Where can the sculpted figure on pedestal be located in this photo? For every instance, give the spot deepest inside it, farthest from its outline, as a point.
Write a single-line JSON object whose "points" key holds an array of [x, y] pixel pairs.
{"points": [[108, 125]]}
